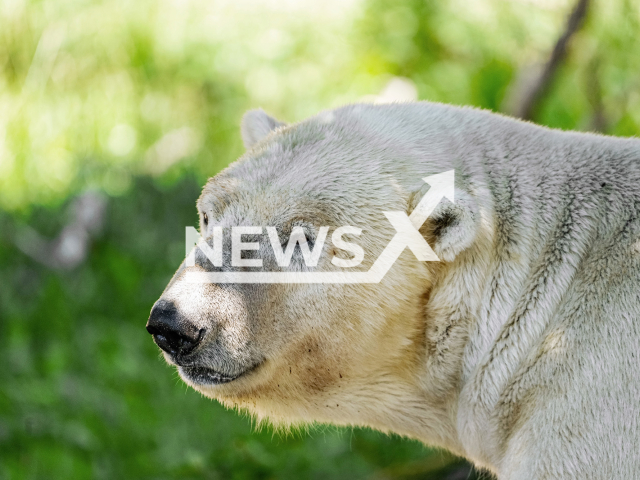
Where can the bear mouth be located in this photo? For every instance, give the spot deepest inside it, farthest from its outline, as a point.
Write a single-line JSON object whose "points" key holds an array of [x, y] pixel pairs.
{"points": [[206, 376], [209, 376]]}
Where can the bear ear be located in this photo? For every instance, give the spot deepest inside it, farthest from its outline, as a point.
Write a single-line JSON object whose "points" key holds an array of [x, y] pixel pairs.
{"points": [[256, 125], [452, 226]]}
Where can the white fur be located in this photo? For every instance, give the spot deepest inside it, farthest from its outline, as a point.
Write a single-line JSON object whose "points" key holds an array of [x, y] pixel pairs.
{"points": [[521, 351]]}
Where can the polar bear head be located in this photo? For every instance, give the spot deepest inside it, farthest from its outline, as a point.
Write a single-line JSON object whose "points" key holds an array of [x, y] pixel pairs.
{"points": [[288, 352]]}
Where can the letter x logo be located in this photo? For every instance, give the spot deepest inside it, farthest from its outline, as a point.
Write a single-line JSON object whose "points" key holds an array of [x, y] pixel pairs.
{"points": [[407, 226]]}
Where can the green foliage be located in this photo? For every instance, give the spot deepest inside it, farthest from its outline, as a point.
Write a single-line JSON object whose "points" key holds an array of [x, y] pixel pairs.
{"points": [[142, 100]]}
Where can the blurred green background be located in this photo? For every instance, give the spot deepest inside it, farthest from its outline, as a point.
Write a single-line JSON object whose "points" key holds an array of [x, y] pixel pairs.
{"points": [[112, 116]]}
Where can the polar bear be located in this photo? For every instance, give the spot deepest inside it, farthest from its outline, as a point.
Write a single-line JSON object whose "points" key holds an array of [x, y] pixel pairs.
{"points": [[519, 349]]}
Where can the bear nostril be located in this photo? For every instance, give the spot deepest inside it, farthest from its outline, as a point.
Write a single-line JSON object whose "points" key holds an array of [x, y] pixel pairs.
{"points": [[171, 333], [175, 343]]}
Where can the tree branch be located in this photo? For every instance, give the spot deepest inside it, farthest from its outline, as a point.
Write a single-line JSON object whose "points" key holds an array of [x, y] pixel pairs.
{"points": [[533, 96]]}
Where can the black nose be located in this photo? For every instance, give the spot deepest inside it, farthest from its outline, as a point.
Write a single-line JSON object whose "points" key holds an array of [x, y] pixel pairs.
{"points": [[172, 333]]}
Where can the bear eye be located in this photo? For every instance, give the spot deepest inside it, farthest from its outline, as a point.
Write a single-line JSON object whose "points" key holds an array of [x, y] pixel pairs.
{"points": [[206, 219]]}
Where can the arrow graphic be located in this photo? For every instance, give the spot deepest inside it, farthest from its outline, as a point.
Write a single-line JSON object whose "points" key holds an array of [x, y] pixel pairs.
{"points": [[407, 236]]}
